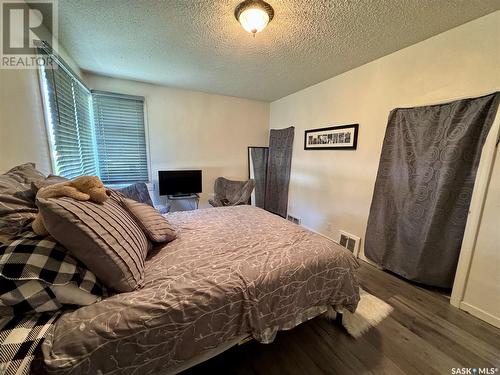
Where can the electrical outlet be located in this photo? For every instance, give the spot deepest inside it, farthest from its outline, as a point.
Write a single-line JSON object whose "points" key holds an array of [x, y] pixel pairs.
{"points": [[349, 241]]}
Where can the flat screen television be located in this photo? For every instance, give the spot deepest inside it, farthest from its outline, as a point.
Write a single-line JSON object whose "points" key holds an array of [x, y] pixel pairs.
{"points": [[179, 182]]}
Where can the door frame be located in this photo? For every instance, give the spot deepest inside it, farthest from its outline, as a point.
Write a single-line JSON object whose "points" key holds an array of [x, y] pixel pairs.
{"points": [[476, 208]]}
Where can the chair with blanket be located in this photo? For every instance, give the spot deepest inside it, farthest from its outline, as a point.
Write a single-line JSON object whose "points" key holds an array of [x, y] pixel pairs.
{"points": [[140, 193], [231, 193]]}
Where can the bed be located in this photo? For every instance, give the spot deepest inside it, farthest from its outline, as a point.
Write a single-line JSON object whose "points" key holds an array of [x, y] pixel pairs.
{"points": [[232, 272]]}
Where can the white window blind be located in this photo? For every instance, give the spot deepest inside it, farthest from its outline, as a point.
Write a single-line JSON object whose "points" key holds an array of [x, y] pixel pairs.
{"points": [[68, 105], [120, 137]]}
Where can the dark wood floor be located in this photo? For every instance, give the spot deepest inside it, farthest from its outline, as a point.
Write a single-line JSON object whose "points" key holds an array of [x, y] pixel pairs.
{"points": [[424, 335]]}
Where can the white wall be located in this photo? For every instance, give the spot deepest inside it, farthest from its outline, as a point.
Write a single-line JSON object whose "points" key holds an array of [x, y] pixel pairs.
{"points": [[22, 127], [332, 190], [190, 129], [23, 136]]}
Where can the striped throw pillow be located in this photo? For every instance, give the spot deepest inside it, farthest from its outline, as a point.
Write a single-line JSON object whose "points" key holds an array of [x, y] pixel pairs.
{"points": [[104, 237], [155, 226]]}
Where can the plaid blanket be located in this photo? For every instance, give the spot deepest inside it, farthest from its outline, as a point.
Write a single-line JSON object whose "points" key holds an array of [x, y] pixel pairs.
{"points": [[30, 266], [20, 339]]}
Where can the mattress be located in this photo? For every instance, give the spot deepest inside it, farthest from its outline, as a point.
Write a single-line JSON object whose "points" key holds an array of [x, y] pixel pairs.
{"points": [[231, 271]]}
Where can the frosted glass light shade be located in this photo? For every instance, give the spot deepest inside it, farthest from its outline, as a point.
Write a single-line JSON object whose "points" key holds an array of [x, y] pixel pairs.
{"points": [[254, 20], [254, 15]]}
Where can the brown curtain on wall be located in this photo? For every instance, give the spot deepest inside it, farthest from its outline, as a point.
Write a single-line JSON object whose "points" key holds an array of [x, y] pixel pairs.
{"points": [[424, 186], [278, 170]]}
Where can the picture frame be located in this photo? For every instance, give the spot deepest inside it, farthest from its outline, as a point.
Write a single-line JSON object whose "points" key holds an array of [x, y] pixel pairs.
{"points": [[343, 137]]}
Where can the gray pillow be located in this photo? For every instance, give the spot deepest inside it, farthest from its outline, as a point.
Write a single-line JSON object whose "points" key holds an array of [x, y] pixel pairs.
{"points": [[104, 237], [17, 200], [50, 180], [154, 225], [25, 173]]}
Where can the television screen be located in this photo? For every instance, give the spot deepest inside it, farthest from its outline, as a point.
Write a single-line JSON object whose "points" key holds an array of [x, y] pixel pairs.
{"points": [[179, 182]]}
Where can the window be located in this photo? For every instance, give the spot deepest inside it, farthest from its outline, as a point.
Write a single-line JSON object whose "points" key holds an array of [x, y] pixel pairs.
{"points": [[96, 133], [120, 138], [70, 123]]}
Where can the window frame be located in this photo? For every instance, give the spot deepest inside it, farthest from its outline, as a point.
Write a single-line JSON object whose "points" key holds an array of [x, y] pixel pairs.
{"points": [[146, 131], [45, 49], [48, 121]]}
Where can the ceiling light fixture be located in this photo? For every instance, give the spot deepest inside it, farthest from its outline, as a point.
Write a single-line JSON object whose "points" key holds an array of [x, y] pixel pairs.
{"points": [[254, 15]]}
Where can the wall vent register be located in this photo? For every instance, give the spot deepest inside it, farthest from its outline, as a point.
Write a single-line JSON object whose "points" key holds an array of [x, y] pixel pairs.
{"points": [[294, 219], [349, 241]]}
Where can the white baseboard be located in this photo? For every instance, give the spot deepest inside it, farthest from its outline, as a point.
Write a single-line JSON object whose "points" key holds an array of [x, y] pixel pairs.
{"points": [[360, 254], [481, 314], [321, 234]]}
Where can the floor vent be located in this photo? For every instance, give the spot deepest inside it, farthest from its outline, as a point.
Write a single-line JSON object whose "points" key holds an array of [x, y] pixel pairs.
{"points": [[349, 241], [294, 219]]}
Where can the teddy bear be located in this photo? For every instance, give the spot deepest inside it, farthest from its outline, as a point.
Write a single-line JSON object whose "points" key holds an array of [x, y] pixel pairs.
{"points": [[84, 188]]}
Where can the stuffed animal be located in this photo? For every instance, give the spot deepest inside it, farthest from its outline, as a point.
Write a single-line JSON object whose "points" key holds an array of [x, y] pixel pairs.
{"points": [[83, 188]]}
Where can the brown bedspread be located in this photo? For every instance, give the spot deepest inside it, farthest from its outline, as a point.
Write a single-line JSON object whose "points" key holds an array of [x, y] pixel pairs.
{"points": [[231, 271]]}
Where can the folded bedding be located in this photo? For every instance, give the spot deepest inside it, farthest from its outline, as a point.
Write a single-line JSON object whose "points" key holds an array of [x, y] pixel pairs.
{"points": [[20, 340], [39, 275], [231, 271]]}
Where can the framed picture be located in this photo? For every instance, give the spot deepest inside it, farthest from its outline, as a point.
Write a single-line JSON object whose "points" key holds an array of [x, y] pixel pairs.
{"points": [[343, 137]]}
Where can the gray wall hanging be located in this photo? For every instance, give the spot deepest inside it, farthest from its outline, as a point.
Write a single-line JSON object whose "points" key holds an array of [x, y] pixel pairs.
{"points": [[424, 187], [278, 170]]}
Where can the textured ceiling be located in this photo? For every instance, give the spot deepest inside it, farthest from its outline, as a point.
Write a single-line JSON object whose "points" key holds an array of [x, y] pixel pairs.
{"points": [[199, 45]]}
